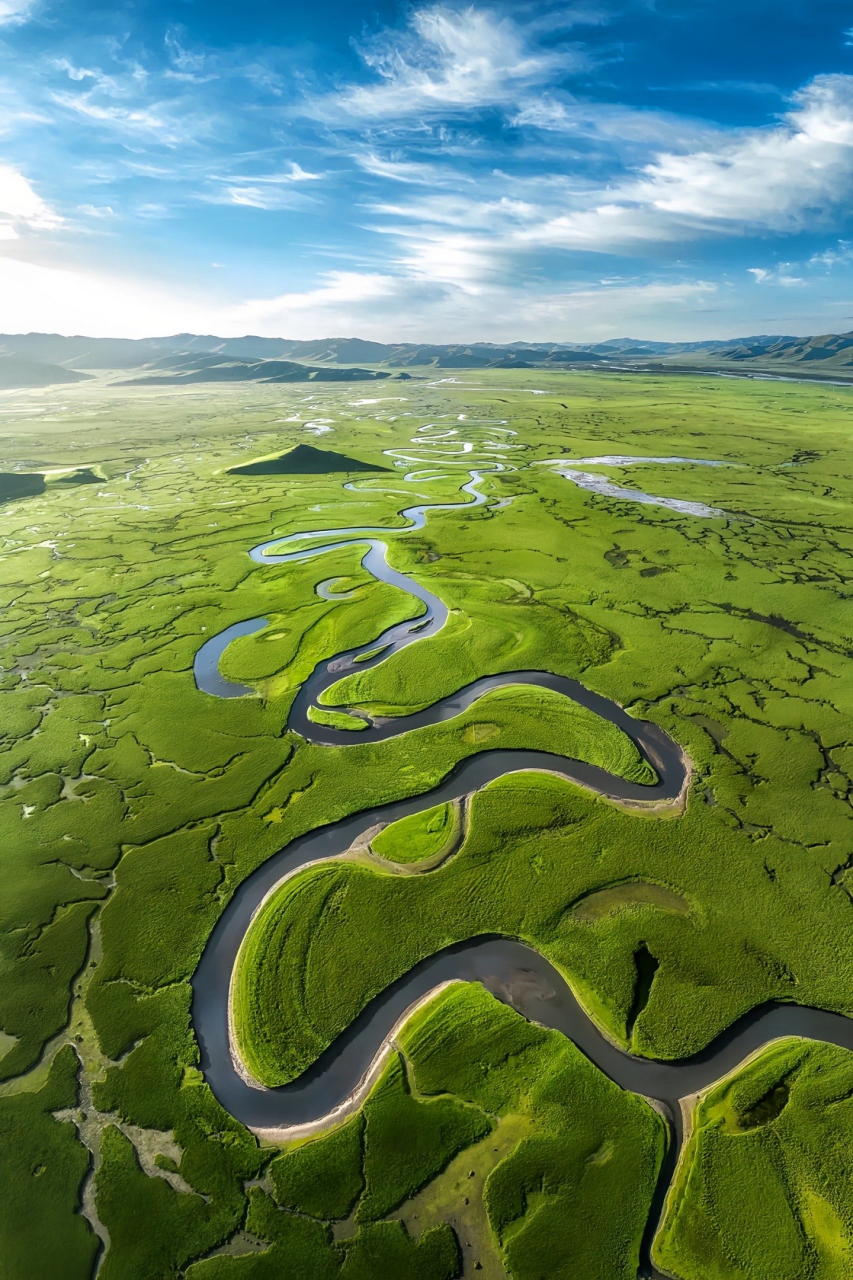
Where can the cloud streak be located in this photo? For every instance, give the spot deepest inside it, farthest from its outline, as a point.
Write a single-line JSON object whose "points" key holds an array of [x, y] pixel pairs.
{"points": [[447, 60]]}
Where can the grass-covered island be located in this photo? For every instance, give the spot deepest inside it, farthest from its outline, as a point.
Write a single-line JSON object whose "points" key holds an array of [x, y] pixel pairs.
{"points": [[138, 812]]}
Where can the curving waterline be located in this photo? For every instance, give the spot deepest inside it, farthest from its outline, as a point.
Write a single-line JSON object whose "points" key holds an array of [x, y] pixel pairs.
{"points": [[603, 485], [339, 1081]]}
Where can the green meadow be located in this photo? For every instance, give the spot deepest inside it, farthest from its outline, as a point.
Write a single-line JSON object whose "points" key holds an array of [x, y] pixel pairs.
{"points": [[431, 835], [763, 1186], [132, 805]]}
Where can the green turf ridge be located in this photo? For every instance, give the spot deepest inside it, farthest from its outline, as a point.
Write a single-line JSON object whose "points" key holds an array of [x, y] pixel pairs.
{"points": [[424, 837], [128, 797], [336, 719]]}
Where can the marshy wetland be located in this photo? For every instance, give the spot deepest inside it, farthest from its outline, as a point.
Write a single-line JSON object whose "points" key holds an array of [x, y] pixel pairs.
{"points": [[611, 943]]}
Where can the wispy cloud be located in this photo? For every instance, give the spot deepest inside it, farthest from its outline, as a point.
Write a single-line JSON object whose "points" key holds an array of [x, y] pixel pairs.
{"points": [[80, 74], [270, 191], [422, 306], [164, 123], [257, 197], [15, 11], [624, 128], [448, 59], [780, 275], [840, 255], [411, 172], [293, 173], [758, 88], [97, 211], [164, 107], [782, 178], [184, 60]]}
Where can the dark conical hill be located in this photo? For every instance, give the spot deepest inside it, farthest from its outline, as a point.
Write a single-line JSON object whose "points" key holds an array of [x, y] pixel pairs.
{"points": [[304, 460], [20, 484]]}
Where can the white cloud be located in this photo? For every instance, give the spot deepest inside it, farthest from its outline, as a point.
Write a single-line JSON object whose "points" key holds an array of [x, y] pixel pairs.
{"points": [[15, 11], [760, 88], [41, 297], [294, 174], [783, 178], [297, 174], [780, 275], [122, 104], [608, 309], [467, 261], [80, 74], [419, 308], [154, 210], [623, 128], [188, 65], [448, 59], [258, 197], [796, 174], [134, 120], [73, 72], [779, 178], [269, 191], [842, 255], [21, 205], [368, 303], [414, 173], [461, 211], [97, 211], [341, 293]]}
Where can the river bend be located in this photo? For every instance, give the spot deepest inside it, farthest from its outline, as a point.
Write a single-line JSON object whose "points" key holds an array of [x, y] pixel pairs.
{"points": [[512, 970]]}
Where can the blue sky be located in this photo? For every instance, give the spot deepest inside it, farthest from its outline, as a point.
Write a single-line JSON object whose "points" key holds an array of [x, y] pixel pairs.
{"points": [[449, 172]]}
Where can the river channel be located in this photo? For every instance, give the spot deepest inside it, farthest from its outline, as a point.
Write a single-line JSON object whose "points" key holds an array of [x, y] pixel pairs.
{"points": [[515, 972]]}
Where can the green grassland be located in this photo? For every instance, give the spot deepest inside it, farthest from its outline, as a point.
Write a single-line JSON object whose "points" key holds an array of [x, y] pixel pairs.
{"points": [[585, 1151], [43, 1166], [468, 1068], [764, 1186], [426, 836], [131, 805]]}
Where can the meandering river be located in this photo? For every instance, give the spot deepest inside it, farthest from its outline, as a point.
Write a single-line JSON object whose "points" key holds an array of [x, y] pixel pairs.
{"points": [[513, 971]]}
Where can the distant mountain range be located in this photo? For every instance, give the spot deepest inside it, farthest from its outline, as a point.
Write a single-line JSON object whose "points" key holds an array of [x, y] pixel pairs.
{"points": [[43, 359]]}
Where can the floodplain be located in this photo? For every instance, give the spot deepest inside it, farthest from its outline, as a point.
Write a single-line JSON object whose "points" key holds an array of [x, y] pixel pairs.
{"points": [[712, 601]]}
